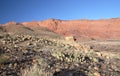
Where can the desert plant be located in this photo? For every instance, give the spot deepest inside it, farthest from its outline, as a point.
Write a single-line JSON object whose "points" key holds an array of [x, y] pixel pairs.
{"points": [[75, 56], [4, 58], [35, 71]]}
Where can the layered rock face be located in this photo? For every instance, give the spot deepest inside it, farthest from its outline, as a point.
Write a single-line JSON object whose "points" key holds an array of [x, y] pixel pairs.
{"points": [[82, 29]]}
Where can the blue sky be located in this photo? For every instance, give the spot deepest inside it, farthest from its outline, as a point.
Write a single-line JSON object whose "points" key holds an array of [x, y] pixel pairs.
{"points": [[35, 10]]}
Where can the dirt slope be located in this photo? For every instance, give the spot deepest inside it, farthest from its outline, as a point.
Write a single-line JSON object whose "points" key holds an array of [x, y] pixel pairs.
{"points": [[85, 29], [16, 28], [19, 28]]}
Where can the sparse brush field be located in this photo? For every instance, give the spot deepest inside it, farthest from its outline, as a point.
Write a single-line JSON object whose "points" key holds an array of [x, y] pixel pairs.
{"points": [[29, 55]]}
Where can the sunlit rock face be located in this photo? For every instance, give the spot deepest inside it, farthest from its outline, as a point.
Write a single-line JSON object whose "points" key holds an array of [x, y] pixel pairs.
{"points": [[81, 29]]}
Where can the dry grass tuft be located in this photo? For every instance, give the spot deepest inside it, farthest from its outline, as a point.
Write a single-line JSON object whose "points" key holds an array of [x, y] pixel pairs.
{"points": [[35, 71]]}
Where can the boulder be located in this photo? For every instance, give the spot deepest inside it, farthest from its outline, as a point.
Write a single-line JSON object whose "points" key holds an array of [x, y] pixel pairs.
{"points": [[70, 38]]}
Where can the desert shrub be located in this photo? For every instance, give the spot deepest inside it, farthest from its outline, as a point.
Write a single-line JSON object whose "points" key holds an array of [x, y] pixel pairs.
{"points": [[4, 58], [75, 56], [35, 71]]}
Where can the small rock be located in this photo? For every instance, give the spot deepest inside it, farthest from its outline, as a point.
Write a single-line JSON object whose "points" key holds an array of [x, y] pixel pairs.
{"points": [[103, 66], [34, 60], [29, 43], [96, 74], [10, 65], [15, 65], [57, 70], [96, 68], [66, 66], [72, 67]]}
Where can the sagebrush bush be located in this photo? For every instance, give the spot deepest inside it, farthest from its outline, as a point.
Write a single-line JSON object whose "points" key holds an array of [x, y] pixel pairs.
{"points": [[35, 71]]}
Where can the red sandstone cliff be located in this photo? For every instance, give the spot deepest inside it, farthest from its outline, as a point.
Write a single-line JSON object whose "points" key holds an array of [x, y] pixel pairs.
{"points": [[97, 29]]}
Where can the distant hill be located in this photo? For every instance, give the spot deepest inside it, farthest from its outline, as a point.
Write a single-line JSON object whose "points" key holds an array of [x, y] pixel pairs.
{"points": [[16, 28], [81, 29], [19, 28]]}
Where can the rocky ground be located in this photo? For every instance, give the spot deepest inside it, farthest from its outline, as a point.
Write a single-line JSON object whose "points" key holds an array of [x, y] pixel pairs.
{"points": [[28, 55]]}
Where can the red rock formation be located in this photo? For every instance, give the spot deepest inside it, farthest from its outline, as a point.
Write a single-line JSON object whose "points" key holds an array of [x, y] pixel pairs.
{"points": [[10, 23], [95, 29]]}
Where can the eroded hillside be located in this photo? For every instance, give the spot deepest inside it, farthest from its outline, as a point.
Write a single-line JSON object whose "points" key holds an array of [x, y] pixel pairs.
{"points": [[85, 29]]}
